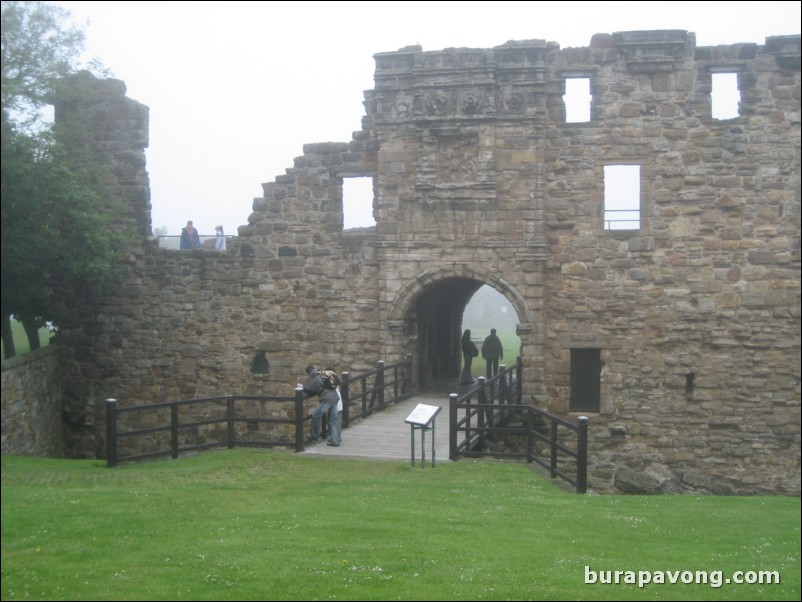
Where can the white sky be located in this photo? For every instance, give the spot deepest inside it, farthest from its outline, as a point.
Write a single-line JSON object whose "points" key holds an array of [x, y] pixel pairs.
{"points": [[235, 89]]}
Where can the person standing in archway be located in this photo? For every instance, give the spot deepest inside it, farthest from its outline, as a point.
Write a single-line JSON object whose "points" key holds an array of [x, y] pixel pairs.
{"points": [[492, 351], [469, 351]]}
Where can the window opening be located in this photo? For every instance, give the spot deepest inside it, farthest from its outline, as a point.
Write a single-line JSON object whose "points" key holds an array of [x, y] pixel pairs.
{"points": [[260, 363], [358, 203], [725, 96], [621, 197], [577, 100], [585, 380]]}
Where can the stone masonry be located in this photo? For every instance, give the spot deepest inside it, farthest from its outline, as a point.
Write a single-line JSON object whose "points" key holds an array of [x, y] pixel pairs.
{"points": [[32, 421], [694, 314]]}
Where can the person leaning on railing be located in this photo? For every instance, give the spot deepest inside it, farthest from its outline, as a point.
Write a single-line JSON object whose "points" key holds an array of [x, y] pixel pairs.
{"points": [[328, 405]]}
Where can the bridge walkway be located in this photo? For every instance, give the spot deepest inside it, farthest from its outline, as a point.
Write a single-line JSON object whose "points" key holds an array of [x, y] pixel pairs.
{"points": [[385, 436]]}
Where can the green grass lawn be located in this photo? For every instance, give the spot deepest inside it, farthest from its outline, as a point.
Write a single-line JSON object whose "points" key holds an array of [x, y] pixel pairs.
{"points": [[251, 524]]}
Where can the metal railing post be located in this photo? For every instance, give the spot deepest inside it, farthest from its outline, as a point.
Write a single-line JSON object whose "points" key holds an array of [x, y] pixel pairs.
{"points": [[530, 444], [363, 381], [299, 419], [452, 426], [174, 431], [504, 394], [481, 398], [380, 384], [345, 394], [230, 419], [553, 441], [408, 374], [582, 456], [396, 371], [111, 433]]}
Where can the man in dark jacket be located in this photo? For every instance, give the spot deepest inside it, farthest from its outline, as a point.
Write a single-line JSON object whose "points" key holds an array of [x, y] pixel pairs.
{"points": [[492, 351], [190, 239], [328, 405]]}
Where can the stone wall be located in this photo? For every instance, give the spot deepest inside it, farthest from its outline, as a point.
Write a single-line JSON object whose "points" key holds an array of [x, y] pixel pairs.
{"points": [[697, 313], [479, 180], [111, 131], [32, 420]]}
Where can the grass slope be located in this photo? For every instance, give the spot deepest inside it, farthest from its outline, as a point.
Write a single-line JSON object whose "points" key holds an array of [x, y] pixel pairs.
{"points": [[251, 524]]}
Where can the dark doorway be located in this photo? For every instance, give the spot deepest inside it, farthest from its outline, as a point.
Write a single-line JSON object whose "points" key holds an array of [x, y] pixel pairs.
{"points": [[439, 315], [585, 380]]}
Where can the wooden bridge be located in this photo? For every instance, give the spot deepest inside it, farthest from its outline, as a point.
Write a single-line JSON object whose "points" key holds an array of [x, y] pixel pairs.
{"points": [[486, 419], [385, 435]]}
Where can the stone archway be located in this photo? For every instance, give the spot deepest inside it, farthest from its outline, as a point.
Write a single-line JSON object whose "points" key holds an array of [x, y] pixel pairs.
{"points": [[431, 309]]}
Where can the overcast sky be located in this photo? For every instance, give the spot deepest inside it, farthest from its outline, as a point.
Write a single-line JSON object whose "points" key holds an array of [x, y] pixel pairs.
{"points": [[235, 89]]}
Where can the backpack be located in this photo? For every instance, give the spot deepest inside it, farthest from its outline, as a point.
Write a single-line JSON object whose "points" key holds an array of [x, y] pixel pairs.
{"points": [[330, 379]]}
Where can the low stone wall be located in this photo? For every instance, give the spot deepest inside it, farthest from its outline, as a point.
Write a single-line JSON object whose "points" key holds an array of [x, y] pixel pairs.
{"points": [[32, 399]]}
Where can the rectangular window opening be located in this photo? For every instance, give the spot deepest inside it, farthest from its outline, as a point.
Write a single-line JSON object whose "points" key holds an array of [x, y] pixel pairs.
{"points": [[585, 380], [358, 203], [622, 197], [725, 96], [577, 100]]}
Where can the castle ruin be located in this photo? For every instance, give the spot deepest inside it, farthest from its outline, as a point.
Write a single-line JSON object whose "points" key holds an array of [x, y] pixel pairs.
{"points": [[676, 330]]}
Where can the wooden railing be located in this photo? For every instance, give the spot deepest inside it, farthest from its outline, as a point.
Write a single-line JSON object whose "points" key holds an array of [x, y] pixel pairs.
{"points": [[197, 424], [171, 428], [375, 390], [492, 411]]}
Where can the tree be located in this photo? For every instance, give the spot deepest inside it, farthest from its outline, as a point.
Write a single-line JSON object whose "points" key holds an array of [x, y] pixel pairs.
{"points": [[37, 51], [59, 229]]}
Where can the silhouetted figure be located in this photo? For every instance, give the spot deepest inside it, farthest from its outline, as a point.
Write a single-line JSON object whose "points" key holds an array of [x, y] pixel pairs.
{"points": [[469, 351], [492, 351]]}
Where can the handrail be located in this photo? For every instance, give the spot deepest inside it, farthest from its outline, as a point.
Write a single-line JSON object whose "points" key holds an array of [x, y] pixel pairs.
{"points": [[498, 401], [380, 394], [173, 241], [490, 416], [234, 414]]}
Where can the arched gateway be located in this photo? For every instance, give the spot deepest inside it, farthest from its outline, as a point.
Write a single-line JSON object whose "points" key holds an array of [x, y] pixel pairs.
{"points": [[671, 320], [429, 309]]}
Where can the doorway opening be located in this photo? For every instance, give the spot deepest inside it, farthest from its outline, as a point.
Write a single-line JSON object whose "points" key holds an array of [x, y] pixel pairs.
{"points": [[444, 311]]}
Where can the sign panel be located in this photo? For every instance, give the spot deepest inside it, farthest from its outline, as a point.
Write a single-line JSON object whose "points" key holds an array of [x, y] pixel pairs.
{"points": [[423, 414]]}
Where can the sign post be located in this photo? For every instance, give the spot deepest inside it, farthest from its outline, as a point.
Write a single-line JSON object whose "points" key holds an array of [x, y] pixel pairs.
{"points": [[422, 419]]}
